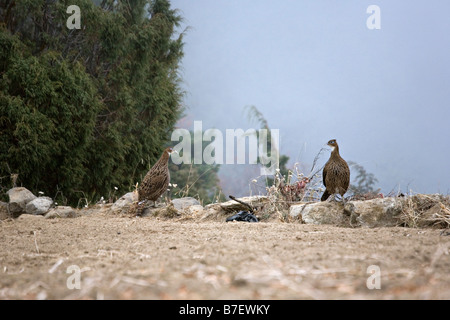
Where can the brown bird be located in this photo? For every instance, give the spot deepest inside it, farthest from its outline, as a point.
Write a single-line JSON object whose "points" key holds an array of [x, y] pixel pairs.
{"points": [[156, 180], [336, 173]]}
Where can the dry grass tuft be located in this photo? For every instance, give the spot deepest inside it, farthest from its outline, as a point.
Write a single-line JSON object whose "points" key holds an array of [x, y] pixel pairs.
{"points": [[426, 211], [286, 190], [276, 205]]}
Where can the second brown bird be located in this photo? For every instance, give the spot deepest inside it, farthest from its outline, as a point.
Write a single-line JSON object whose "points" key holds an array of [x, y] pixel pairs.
{"points": [[336, 173], [156, 180]]}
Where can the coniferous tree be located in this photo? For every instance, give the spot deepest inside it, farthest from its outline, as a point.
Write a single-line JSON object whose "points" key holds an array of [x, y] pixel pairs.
{"points": [[86, 109]]}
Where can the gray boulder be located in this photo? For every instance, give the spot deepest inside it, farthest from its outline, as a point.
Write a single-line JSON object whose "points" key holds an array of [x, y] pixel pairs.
{"points": [[39, 206], [18, 199], [195, 210], [320, 213], [381, 212], [124, 202], [61, 212], [183, 203]]}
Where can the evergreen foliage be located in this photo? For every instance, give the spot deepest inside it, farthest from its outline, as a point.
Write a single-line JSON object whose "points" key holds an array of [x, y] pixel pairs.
{"points": [[86, 110]]}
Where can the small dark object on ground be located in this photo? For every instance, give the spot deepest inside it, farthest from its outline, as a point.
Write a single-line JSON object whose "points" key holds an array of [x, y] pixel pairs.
{"points": [[243, 216]]}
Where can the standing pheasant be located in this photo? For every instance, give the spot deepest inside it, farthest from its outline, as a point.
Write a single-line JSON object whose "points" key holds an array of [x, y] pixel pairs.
{"points": [[156, 180], [336, 173]]}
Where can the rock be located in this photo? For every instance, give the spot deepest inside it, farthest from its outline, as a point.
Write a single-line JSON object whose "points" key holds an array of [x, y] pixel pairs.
{"points": [[320, 213], [213, 212], [18, 199], [255, 201], [168, 211], [214, 207], [3, 210], [125, 201], [62, 212], [195, 210], [183, 203], [39, 206], [381, 212], [182, 207]]}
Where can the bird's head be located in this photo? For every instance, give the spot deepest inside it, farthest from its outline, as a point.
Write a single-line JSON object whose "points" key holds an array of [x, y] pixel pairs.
{"points": [[332, 143], [170, 150]]}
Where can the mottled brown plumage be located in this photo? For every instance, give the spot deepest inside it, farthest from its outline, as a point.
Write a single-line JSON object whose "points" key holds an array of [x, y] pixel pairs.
{"points": [[336, 173], [156, 180]]}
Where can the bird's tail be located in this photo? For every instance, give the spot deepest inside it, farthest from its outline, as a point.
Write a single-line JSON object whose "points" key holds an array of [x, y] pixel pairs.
{"points": [[325, 195]]}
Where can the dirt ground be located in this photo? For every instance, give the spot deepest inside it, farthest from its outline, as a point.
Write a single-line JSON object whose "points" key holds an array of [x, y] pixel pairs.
{"points": [[106, 257]]}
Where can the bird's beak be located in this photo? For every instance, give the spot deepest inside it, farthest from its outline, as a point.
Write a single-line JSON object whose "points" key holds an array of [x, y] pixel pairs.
{"points": [[174, 151]]}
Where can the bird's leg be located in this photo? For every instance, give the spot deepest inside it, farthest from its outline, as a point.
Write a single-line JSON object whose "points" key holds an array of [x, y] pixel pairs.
{"points": [[332, 198], [154, 204], [340, 198], [167, 197]]}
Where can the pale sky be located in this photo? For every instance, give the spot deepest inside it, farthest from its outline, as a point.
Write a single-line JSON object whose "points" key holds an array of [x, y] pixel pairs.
{"points": [[316, 72]]}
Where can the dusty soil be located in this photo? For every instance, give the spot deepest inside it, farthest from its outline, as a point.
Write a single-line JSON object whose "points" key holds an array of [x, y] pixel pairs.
{"points": [[146, 258]]}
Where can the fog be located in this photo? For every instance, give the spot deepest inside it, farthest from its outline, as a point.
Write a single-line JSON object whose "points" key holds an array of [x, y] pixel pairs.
{"points": [[317, 72]]}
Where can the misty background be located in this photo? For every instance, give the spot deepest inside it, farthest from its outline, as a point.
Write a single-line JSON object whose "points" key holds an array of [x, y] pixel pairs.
{"points": [[316, 72]]}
